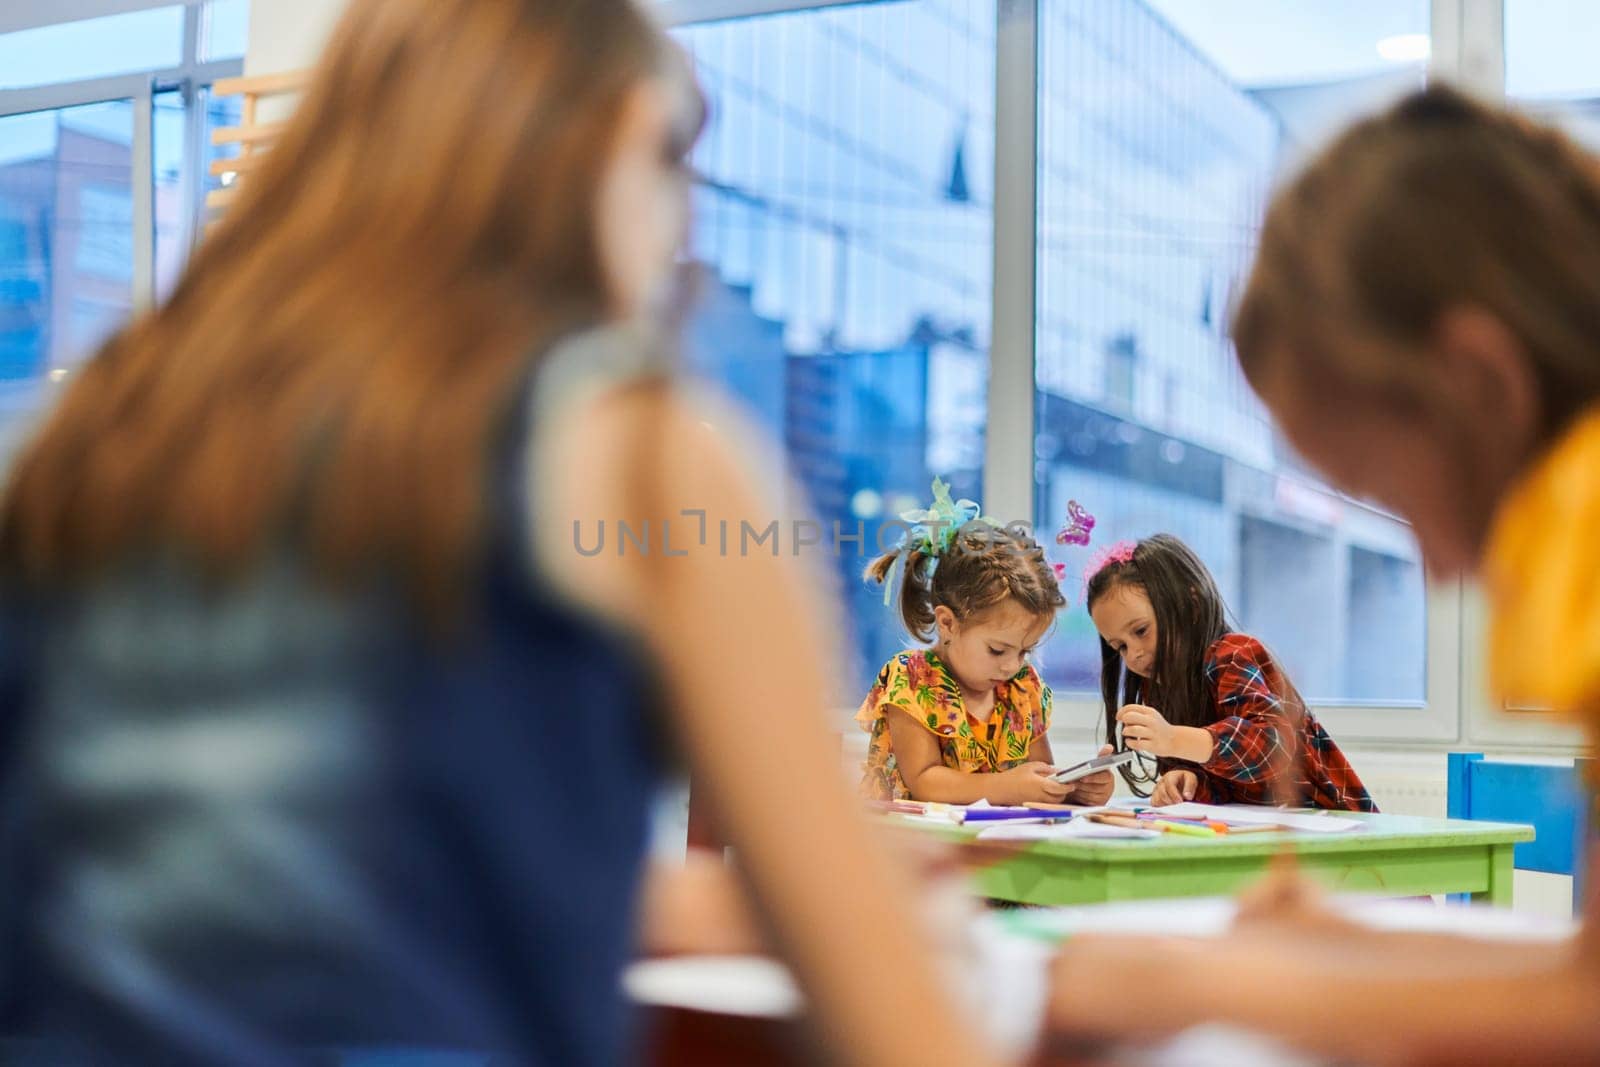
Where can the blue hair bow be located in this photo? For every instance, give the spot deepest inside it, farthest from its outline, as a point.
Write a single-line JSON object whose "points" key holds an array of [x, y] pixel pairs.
{"points": [[934, 529]]}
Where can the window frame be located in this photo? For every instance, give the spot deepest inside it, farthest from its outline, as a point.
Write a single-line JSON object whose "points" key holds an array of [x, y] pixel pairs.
{"points": [[188, 77], [64, 11]]}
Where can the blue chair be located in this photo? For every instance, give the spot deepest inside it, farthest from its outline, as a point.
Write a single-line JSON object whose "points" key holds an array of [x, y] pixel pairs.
{"points": [[1552, 799]]}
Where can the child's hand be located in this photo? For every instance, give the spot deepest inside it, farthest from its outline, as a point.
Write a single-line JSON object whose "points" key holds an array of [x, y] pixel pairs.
{"points": [[1287, 899], [1146, 730], [1028, 784], [701, 907], [1096, 789], [1175, 787]]}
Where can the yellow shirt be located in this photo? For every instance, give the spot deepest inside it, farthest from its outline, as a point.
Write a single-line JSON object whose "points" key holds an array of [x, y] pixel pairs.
{"points": [[1542, 569], [917, 684]]}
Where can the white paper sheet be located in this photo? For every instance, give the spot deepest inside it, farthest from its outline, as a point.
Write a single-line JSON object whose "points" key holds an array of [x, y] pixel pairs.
{"points": [[730, 985], [1254, 815], [1059, 831]]}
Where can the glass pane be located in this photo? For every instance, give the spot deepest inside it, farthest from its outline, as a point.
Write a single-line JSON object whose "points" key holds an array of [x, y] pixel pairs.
{"points": [[92, 48], [66, 247], [176, 206], [168, 171], [220, 111], [1161, 127], [843, 232], [227, 29], [1550, 65]]}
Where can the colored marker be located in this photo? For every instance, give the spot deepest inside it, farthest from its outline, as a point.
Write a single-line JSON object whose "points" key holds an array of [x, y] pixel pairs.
{"points": [[1157, 816], [996, 814]]}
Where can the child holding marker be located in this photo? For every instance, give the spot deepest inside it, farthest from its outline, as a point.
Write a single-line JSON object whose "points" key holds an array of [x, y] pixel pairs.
{"points": [[1222, 720], [967, 719]]}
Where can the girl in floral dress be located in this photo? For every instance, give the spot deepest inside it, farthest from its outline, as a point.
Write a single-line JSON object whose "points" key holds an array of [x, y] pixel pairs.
{"points": [[967, 719]]}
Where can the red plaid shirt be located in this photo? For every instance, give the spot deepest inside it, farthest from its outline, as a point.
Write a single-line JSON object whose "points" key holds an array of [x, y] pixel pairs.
{"points": [[1260, 734]]}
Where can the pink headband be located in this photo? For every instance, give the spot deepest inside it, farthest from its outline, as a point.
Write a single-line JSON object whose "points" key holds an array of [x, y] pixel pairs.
{"points": [[1121, 552]]}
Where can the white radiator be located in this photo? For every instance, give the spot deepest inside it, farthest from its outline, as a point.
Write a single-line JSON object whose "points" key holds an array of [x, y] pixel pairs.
{"points": [[1404, 783]]}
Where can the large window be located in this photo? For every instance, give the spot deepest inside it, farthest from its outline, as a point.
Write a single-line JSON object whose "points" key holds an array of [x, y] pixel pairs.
{"points": [[104, 144], [844, 219], [1161, 128], [846, 231]]}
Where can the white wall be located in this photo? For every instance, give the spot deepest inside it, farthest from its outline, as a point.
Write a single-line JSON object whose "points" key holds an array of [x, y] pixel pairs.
{"points": [[288, 34]]}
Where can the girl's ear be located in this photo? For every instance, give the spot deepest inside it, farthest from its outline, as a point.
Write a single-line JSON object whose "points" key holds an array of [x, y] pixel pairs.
{"points": [[1488, 377], [945, 620]]}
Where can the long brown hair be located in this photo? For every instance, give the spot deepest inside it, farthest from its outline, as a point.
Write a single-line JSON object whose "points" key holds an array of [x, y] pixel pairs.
{"points": [[1190, 615], [1440, 201], [346, 343], [982, 567]]}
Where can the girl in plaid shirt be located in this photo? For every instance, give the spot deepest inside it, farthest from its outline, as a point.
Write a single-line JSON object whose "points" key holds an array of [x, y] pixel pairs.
{"points": [[1222, 720]]}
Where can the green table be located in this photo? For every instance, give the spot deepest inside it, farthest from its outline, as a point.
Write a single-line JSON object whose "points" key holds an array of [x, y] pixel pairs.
{"points": [[1396, 855]]}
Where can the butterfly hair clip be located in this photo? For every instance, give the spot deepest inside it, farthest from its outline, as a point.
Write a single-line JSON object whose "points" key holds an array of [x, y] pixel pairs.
{"points": [[1078, 527]]}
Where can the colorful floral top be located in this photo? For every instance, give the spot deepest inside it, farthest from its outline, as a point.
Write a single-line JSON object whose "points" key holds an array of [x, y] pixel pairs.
{"points": [[918, 684], [1261, 733]]}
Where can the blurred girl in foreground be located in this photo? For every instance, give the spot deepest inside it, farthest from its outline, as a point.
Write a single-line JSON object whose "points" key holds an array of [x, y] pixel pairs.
{"points": [[320, 732], [1424, 321]]}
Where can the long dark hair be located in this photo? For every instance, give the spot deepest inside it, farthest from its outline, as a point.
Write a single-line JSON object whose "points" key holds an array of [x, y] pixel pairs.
{"points": [[1189, 614]]}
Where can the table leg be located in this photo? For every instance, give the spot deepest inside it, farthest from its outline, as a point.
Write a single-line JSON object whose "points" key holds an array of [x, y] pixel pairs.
{"points": [[1499, 890]]}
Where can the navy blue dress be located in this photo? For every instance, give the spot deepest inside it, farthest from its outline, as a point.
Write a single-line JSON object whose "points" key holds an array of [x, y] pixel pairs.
{"points": [[274, 822]]}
